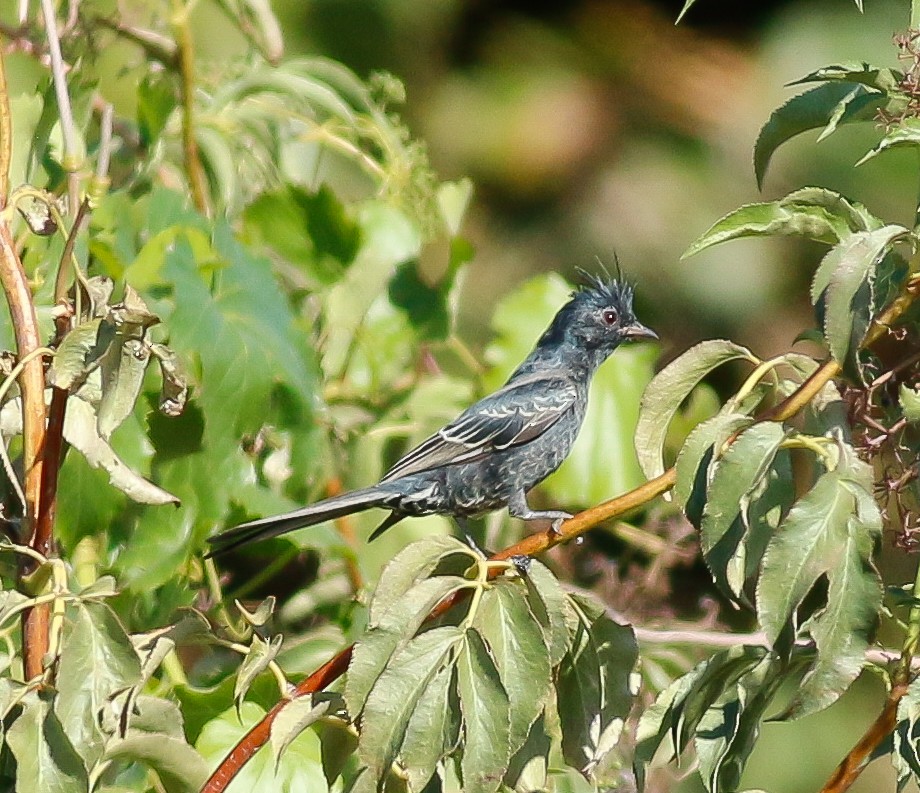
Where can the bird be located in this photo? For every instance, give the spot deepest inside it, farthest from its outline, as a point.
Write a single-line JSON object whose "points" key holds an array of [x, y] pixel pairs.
{"points": [[494, 452]]}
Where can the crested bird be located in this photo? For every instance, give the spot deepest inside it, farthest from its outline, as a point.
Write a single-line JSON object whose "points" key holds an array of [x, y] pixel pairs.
{"points": [[503, 445]]}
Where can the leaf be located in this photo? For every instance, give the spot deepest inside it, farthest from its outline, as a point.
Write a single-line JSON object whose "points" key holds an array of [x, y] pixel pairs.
{"points": [[686, 7], [909, 399], [299, 769], [906, 750], [427, 305], [668, 389], [597, 683], [433, 729], [396, 693], [735, 473], [45, 758], [516, 645], [486, 727], [179, 767], [296, 716], [905, 133], [831, 103], [813, 212], [411, 565], [261, 654], [174, 390], [550, 606], [677, 711], [97, 660], [863, 73], [380, 644], [842, 273], [79, 352], [81, 432], [156, 100], [123, 368]]}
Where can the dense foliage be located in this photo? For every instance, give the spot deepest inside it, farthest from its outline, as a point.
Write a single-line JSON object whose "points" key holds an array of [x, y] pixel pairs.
{"points": [[246, 274]]}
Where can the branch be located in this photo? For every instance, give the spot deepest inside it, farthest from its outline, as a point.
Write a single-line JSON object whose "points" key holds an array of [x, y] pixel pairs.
{"points": [[539, 543]]}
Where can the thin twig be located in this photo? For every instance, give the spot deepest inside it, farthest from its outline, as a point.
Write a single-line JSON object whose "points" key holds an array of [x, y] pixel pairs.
{"points": [[6, 136]]}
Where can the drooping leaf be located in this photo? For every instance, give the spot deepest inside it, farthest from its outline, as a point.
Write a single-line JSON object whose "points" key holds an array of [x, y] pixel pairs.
{"points": [[735, 473], [831, 103], [486, 725], [80, 351], [878, 77], [815, 213], [549, 605], [179, 767], [261, 654], [97, 660], [296, 716], [905, 133], [596, 685], [517, 647], [45, 757], [396, 693], [668, 389]]}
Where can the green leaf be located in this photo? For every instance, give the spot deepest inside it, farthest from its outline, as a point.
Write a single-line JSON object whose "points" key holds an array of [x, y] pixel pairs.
{"points": [[516, 643], [734, 475], [728, 731], [906, 754], [677, 711], [97, 660], [123, 368], [453, 200], [839, 279], [396, 693], [179, 767], [668, 389], [863, 73], [380, 644], [156, 100], [909, 399], [486, 726], [261, 654], [827, 105], [427, 305], [906, 133], [596, 686], [813, 212], [433, 729], [45, 758], [300, 769], [550, 606], [530, 765], [411, 565], [80, 351], [296, 716]]}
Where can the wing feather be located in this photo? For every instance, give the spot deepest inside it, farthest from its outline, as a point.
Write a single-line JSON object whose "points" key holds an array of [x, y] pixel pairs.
{"points": [[516, 414]]}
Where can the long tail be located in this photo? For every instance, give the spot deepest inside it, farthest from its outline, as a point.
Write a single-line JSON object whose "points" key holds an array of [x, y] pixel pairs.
{"points": [[327, 509]]}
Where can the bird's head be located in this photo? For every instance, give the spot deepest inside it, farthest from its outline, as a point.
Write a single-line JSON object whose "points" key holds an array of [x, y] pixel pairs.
{"points": [[597, 319]]}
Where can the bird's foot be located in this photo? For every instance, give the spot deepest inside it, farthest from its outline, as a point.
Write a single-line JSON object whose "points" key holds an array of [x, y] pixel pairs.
{"points": [[556, 526]]}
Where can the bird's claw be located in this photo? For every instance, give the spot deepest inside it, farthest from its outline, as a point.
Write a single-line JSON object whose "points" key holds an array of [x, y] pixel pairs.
{"points": [[556, 526]]}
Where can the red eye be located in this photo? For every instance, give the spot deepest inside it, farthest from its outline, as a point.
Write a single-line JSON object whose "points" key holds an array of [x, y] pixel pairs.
{"points": [[610, 316]]}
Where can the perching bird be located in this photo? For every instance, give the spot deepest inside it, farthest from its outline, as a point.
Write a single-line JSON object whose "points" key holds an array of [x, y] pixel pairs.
{"points": [[498, 449]]}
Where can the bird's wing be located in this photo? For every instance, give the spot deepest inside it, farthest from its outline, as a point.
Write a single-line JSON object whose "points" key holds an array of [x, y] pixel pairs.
{"points": [[515, 414]]}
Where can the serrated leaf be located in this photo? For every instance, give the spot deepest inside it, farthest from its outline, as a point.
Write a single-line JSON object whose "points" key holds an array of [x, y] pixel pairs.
{"points": [[678, 709], [81, 432], [596, 686], [831, 102], [296, 716], [735, 473], [516, 644], [695, 457], [433, 729], [906, 133], [728, 731], [668, 389], [396, 693], [411, 565], [909, 399], [863, 73], [380, 643], [45, 758], [906, 736], [813, 212], [97, 660], [180, 768], [486, 726], [261, 654], [551, 608]]}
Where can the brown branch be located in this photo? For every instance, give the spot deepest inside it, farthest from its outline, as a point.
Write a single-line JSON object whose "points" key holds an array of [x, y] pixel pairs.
{"points": [[539, 543], [6, 135], [186, 59]]}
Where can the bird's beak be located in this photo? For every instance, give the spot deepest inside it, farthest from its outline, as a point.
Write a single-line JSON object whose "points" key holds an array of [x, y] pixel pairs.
{"points": [[638, 331]]}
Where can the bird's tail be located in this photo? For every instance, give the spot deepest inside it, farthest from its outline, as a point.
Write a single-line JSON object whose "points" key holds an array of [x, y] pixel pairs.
{"points": [[327, 509]]}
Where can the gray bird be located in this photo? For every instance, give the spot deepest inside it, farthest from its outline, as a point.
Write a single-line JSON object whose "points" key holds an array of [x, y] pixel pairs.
{"points": [[498, 449]]}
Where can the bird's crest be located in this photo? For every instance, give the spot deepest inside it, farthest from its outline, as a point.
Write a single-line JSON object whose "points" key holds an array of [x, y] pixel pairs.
{"points": [[612, 288]]}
